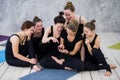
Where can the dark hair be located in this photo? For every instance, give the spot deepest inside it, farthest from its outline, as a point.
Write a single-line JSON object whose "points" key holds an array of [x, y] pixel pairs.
{"points": [[59, 18], [73, 25], [70, 6], [90, 25], [36, 19], [27, 25]]}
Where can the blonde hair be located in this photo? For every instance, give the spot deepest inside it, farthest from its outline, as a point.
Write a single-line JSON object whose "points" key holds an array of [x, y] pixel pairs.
{"points": [[70, 6], [73, 25]]}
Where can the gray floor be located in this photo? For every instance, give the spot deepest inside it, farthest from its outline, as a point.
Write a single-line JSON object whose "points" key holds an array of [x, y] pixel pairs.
{"points": [[113, 57]]}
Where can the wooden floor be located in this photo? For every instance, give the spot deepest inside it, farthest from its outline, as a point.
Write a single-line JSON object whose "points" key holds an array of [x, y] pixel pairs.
{"points": [[113, 57]]}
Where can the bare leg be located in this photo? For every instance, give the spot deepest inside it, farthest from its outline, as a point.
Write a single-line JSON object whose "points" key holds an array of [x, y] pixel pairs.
{"points": [[59, 61]]}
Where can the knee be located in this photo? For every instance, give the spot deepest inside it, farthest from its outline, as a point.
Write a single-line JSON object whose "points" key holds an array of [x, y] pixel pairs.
{"points": [[43, 63], [82, 67]]}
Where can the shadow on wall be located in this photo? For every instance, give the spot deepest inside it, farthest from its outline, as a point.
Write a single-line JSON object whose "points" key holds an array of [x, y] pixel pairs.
{"points": [[14, 12]]}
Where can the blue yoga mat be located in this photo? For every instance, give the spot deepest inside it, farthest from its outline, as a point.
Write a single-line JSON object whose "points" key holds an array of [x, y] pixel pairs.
{"points": [[50, 74], [2, 56]]}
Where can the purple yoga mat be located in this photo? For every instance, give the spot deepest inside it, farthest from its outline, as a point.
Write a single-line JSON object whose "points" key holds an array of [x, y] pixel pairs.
{"points": [[2, 37]]}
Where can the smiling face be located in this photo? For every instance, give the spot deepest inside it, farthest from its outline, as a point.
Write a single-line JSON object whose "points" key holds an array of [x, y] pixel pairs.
{"points": [[38, 27], [59, 27], [88, 32], [29, 31], [68, 14]]}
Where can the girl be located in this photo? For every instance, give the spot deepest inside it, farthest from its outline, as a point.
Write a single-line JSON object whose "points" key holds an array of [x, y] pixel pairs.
{"points": [[37, 37], [94, 58], [19, 46], [69, 12], [50, 42], [69, 48]]}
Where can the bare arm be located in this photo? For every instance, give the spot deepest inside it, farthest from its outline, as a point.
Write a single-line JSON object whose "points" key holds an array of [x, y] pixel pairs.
{"points": [[97, 42], [96, 45], [76, 48], [15, 48], [82, 53], [45, 38], [83, 20]]}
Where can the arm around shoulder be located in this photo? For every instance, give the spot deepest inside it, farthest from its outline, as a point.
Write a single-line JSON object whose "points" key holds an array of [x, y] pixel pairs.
{"points": [[83, 20]]}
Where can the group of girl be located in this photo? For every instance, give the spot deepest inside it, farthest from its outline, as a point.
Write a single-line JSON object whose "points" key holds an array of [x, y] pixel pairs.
{"points": [[71, 43]]}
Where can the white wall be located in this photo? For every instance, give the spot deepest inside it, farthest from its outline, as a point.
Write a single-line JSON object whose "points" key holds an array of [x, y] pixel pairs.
{"points": [[14, 12]]}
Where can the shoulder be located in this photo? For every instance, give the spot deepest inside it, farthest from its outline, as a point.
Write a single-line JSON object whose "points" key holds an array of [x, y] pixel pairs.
{"points": [[82, 19], [47, 29], [97, 40], [14, 38]]}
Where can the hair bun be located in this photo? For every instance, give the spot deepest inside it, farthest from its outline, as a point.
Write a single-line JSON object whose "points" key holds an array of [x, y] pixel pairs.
{"points": [[35, 17], [93, 21], [69, 3], [61, 13]]}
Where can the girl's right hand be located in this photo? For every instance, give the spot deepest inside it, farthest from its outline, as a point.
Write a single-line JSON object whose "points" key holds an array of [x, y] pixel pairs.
{"points": [[33, 61], [54, 39], [60, 47]]}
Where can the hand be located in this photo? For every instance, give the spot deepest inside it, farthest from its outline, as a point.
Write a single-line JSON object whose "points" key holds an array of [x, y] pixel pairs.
{"points": [[61, 47], [54, 40], [64, 51], [87, 41], [33, 61]]}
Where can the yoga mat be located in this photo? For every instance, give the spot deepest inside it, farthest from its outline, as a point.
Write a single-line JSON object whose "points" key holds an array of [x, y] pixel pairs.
{"points": [[115, 46], [50, 74], [2, 56], [2, 37]]}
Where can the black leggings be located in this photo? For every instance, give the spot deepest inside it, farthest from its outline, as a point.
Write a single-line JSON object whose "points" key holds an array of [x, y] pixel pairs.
{"points": [[98, 55], [18, 63], [71, 62]]}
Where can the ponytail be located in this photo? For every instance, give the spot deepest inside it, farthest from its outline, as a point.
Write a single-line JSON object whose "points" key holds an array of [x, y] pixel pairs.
{"points": [[70, 6], [90, 25]]}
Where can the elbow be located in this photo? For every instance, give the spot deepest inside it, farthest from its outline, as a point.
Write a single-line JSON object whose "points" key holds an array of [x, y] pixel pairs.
{"points": [[16, 55]]}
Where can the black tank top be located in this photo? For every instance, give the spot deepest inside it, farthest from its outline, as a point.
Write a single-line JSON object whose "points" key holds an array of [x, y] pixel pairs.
{"points": [[80, 29], [23, 49], [88, 57], [51, 46], [36, 41], [70, 45]]}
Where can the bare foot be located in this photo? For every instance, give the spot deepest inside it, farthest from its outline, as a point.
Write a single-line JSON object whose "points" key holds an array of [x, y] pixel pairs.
{"points": [[68, 68], [107, 73], [36, 68], [59, 61], [112, 66]]}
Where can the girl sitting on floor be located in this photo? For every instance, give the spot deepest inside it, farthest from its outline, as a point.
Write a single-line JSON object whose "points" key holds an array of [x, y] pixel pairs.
{"points": [[19, 50]]}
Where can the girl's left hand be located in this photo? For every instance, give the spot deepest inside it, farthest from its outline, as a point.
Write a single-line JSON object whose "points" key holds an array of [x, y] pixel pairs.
{"points": [[87, 41], [64, 51]]}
